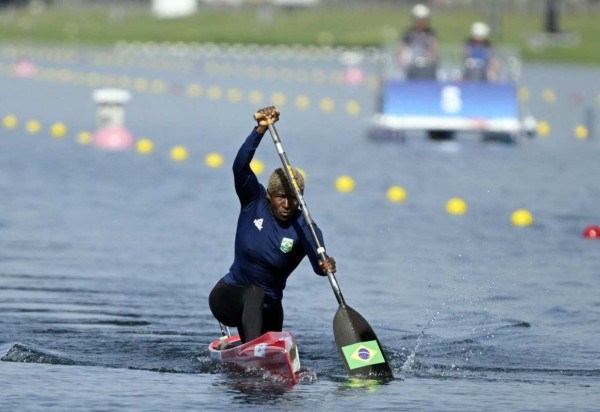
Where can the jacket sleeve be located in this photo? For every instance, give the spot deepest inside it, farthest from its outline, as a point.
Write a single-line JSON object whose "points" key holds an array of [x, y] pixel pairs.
{"points": [[246, 183]]}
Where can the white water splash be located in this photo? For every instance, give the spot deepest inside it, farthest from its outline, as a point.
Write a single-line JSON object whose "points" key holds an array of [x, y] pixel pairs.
{"points": [[410, 360]]}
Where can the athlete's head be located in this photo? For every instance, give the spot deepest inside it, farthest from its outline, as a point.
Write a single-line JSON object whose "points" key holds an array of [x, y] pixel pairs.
{"points": [[279, 181], [281, 195]]}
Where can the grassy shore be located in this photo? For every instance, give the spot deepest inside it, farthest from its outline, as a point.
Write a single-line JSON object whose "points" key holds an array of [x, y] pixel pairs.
{"points": [[319, 26]]}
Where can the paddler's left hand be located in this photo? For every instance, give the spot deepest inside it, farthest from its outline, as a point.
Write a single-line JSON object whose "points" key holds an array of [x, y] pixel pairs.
{"points": [[266, 116], [327, 265]]}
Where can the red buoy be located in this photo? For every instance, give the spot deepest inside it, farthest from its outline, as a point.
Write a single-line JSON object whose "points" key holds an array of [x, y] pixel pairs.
{"points": [[25, 68], [113, 138], [591, 232], [354, 76]]}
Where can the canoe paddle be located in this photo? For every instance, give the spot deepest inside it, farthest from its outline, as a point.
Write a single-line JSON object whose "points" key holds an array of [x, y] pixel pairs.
{"points": [[356, 341]]}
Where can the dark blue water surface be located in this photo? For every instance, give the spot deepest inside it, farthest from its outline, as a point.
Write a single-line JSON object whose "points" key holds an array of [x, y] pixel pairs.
{"points": [[107, 258]]}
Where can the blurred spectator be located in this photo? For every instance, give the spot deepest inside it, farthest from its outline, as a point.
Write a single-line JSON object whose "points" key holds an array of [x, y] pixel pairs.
{"points": [[418, 48], [22, 3], [13, 2], [480, 64]]}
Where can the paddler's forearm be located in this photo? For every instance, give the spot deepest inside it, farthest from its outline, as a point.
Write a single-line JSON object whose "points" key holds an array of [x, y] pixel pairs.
{"points": [[262, 129], [246, 153]]}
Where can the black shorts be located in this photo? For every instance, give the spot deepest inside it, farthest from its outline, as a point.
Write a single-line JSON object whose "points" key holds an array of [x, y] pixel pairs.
{"points": [[247, 308]]}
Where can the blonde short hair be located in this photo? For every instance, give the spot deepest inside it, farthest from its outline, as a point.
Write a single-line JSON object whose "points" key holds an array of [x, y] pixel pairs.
{"points": [[279, 181]]}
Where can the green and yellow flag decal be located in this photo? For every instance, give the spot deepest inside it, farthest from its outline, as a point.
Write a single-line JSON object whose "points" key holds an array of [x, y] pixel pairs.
{"points": [[363, 354]]}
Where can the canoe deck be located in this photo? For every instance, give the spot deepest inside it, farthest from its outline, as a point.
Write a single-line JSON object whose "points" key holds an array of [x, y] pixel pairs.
{"points": [[274, 352]]}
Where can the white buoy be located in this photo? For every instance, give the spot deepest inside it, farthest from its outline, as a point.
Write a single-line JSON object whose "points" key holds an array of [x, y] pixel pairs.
{"points": [[111, 106], [111, 133]]}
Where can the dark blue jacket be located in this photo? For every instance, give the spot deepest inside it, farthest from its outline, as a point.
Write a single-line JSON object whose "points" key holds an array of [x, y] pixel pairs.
{"points": [[266, 250]]}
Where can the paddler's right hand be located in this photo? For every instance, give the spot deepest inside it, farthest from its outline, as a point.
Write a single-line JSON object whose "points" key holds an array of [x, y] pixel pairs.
{"points": [[266, 116], [327, 265]]}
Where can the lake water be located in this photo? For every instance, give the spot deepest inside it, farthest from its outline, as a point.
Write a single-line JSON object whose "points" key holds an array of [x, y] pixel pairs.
{"points": [[107, 259]]}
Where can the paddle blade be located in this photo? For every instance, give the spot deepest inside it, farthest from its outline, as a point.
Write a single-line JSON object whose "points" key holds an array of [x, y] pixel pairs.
{"points": [[358, 345]]}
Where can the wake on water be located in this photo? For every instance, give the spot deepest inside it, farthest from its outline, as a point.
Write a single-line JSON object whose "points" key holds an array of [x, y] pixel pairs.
{"points": [[21, 353], [467, 358], [422, 354]]}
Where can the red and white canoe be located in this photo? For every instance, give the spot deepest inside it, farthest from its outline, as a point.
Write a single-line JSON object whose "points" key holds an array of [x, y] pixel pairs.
{"points": [[274, 352]]}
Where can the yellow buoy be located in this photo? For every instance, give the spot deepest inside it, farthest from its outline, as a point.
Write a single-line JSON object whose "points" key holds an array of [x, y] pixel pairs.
{"points": [[456, 206], [344, 184], [158, 86], [581, 132], [302, 102], [235, 95], [10, 121], [396, 194], [140, 84], [194, 90], [214, 92], [58, 130], [549, 96], [84, 138], [278, 99], [326, 104], [524, 94], [543, 129], [33, 127], [213, 160], [255, 97], [353, 107], [521, 217], [144, 146], [179, 153], [257, 167]]}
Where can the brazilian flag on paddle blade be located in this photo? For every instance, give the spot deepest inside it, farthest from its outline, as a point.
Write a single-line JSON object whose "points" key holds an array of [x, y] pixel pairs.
{"points": [[358, 345], [363, 354]]}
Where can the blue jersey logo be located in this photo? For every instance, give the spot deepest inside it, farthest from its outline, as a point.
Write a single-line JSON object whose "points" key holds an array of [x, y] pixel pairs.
{"points": [[286, 245]]}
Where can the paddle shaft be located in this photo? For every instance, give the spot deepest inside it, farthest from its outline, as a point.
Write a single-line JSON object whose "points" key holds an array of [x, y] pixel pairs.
{"points": [[287, 167], [349, 327]]}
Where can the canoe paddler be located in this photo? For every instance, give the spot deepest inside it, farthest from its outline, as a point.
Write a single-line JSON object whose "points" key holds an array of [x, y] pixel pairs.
{"points": [[271, 240]]}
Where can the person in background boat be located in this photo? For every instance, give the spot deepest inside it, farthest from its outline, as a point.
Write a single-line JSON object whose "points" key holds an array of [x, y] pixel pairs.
{"points": [[480, 64], [418, 47], [271, 240]]}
